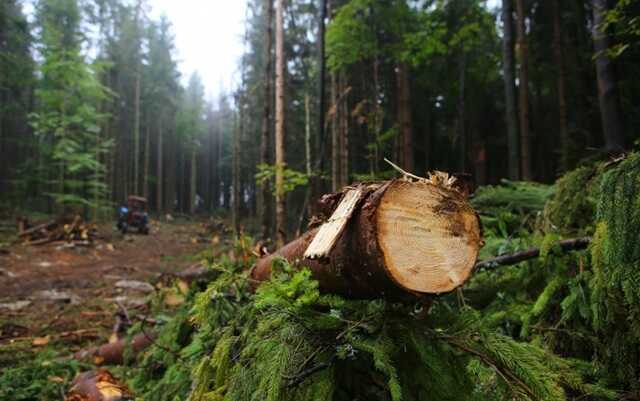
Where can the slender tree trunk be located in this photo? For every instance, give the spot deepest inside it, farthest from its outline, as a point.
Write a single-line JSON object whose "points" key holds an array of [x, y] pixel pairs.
{"points": [[344, 133], [235, 210], [525, 130], [561, 82], [263, 192], [607, 86], [462, 132], [307, 133], [147, 159], [159, 172], [280, 126], [404, 117], [335, 141], [136, 101], [194, 180], [321, 139], [136, 136], [510, 90]]}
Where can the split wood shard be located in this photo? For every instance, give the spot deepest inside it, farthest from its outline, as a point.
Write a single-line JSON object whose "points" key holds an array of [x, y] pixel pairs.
{"points": [[332, 229]]}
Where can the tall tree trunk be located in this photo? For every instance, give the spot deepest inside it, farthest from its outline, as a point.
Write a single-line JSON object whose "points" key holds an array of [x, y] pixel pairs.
{"points": [[263, 193], [525, 130], [404, 117], [607, 86], [159, 172], [335, 142], [136, 101], [280, 126], [510, 90], [193, 181], [235, 210], [147, 159], [136, 136], [561, 82], [462, 132], [307, 133], [321, 138], [344, 132]]}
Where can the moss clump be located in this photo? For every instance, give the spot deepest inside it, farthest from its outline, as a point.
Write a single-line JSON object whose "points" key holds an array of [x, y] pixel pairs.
{"points": [[520, 196], [573, 205], [616, 272]]}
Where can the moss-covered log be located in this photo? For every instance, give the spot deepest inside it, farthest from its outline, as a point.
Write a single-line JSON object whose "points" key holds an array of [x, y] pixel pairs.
{"points": [[404, 237]]}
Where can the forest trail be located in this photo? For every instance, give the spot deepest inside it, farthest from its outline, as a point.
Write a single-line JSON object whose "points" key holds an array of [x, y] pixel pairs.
{"points": [[51, 290]]}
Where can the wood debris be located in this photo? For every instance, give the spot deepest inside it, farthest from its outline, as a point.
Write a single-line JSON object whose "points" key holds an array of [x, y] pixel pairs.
{"points": [[72, 231]]}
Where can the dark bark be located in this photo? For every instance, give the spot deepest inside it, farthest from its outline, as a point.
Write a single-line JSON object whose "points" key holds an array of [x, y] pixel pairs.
{"points": [[515, 258], [526, 156], [510, 90], [561, 82], [607, 85], [344, 133]]}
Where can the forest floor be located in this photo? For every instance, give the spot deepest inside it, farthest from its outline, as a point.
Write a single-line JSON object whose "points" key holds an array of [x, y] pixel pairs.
{"points": [[69, 296]]}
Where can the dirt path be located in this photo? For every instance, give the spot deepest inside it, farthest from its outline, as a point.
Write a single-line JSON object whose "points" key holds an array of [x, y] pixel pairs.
{"points": [[53, 291]]}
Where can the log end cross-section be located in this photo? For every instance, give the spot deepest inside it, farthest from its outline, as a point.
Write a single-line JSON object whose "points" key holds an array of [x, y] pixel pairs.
{"points": [[429, 236]]}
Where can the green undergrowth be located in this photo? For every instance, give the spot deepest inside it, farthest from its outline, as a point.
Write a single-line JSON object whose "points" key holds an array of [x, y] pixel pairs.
{"points": [[289, 342], [562, 326], [583, 305], [43, 376]]}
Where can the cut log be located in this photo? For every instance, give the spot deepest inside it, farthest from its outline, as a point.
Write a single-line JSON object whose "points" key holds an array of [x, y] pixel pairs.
{"points": [[405, 237]]}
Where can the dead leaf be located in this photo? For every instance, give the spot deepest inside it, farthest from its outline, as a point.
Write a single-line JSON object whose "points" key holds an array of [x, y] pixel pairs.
{"points": [[183, 286], [41, 341], [56, 379], [173, 299], [110, 247]]}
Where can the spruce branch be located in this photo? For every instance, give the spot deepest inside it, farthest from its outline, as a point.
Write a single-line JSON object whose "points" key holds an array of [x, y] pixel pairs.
{"points": [[517, 257]]}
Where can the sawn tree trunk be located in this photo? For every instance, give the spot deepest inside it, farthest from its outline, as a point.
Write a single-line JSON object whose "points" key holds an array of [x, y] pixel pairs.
{"points": [[401, 238]]}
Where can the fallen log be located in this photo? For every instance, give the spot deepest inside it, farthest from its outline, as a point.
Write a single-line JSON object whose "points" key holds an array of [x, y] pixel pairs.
{"points": [[517, 257], [400, 237]]}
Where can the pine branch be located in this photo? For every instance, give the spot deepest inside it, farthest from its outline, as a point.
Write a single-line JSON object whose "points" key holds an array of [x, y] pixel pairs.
{"points": [[517, 257], [298, 379]]}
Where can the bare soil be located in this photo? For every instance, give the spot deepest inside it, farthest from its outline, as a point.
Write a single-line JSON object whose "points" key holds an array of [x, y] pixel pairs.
{"points": [[55, 294]]}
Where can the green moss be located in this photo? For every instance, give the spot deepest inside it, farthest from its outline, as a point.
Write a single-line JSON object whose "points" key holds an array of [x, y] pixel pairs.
{"points": [[574, 202], [616, 272], [521, 196]]}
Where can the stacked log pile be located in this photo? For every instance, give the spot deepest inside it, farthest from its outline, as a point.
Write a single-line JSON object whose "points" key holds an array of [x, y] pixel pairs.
{"points": [[72, 231]]}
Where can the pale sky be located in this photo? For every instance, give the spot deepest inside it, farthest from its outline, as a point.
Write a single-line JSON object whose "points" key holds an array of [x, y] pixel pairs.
{"points": [[208, 35]]}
